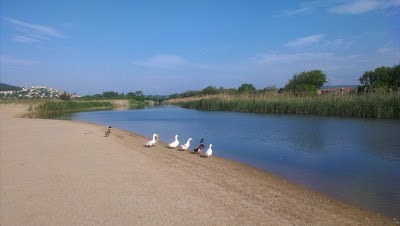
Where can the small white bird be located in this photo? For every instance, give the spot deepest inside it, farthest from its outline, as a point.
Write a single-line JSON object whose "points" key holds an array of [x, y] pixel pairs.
{"points": [[209, 151], [175, 143], [153, 141], [186, 146]]}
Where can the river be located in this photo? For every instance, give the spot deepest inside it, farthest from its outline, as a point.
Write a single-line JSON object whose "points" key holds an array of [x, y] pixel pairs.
{"points": [[351, 159]]}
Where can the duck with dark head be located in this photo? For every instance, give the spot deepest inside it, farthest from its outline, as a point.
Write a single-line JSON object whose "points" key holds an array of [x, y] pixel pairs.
{"points": [[200, 147]]}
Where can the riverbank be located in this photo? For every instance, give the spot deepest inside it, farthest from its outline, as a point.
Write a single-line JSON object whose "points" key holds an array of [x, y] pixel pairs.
{"points": [[61, 172]]}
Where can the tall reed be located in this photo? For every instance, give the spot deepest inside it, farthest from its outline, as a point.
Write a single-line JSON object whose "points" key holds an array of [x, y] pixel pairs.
{"points": [[60, 107], [364, 106]]}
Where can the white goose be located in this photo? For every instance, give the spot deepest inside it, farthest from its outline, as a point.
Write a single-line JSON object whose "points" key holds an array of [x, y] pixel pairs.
{"points": [[175, 143], [186, 146], [153, 141], [209, 151]]}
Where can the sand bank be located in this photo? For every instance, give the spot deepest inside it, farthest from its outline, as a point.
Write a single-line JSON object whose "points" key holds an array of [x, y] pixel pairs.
{"points": [[55, 172]]}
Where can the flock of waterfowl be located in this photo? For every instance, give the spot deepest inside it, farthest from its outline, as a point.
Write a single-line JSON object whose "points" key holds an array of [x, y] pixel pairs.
{"points": [[175, 143], [184, 147]]}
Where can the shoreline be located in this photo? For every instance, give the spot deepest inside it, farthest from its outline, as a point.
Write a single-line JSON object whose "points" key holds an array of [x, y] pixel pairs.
{"points": [[66, 172]]}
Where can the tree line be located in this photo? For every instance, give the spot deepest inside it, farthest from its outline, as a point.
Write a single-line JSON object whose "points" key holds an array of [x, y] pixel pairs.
{"points": [[137, 95], [111, 95], [382, 79]]}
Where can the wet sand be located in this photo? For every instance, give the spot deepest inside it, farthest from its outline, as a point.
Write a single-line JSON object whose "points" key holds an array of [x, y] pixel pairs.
{"points": [[55, 172]]}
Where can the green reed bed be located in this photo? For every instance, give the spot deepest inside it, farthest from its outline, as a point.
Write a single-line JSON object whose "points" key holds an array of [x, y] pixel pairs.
{"points": [[135, 104], [364, 106], [61, 107]]}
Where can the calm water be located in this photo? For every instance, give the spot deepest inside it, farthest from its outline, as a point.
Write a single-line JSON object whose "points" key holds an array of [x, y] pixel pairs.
{"points": [[355, 160]]}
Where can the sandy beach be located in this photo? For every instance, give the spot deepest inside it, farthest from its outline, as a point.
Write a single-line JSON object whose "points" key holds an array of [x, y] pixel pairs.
{"points": [[55, 172]]}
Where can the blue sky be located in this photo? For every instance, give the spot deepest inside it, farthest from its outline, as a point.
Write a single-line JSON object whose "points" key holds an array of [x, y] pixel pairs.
{"points": [[165, 47]]}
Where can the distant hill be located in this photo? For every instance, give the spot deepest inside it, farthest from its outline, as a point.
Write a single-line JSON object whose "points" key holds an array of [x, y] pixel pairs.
{"points": [[6, 87]]}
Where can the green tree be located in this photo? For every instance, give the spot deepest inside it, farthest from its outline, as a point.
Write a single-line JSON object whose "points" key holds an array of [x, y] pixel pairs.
{"points": [[306, 82], [173, 96], [247, 88], [209, 90], [110, 95], [139, 93], [131, 95], [270, 89], [65, 97], [381, 79], [394, 77]]}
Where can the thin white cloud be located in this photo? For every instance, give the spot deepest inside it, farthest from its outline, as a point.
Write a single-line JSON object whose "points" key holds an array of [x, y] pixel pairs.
{"points": [[355, 7], [37, 28], [294, 57], [297, 11], [342, 6], [25, 39], [336, 44], [384, 50], [363, 6], [305, 41], [29, 33], [305, 7], [387, 44], [387, 50], [7, 60], [161, 61]]}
